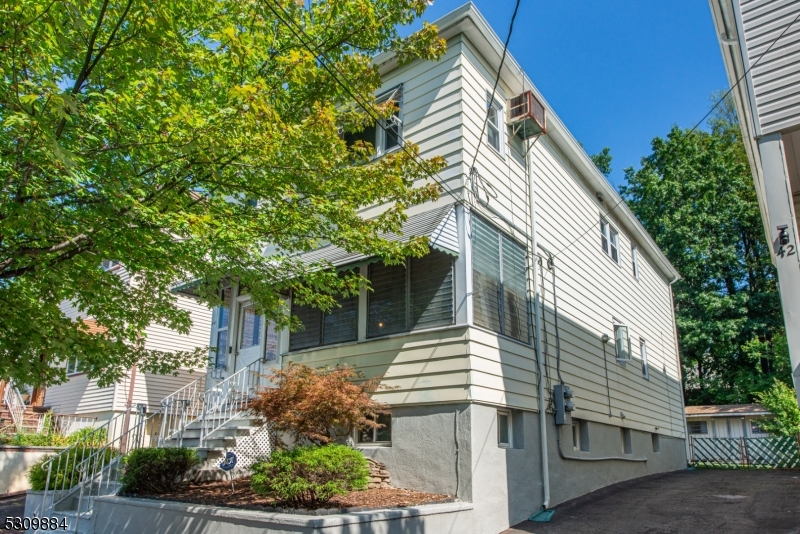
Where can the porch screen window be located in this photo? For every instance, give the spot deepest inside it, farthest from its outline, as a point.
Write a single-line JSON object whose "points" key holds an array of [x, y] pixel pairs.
{"points": [[336, 326], [251, 327], [417, 294], [223, 325], [498, 280]]}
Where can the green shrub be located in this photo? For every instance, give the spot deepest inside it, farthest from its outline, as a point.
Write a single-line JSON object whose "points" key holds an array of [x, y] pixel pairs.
{"points": [[63, 473], [92, 437], [310, 476], [156, 471]]}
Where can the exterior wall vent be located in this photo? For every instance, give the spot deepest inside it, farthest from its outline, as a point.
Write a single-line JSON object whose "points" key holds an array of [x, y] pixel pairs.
{"points": [[527, 115]]}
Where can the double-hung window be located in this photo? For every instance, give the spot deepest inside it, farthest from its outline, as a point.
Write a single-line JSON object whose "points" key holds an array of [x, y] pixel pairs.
{"points": [[414, 295], [498, 281], [643, 354], [494, 124], [73, 366], [635, 260], [387, 134], [622, 342], [338, 325], [609, 238]]}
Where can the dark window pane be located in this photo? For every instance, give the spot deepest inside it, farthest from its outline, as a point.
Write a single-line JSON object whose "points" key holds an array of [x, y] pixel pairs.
{"points": [[486, 275], [392, 133], [341, 324], [515, 311], [366, 436], [431, 290], [250, 327], [310, 336], [367, 135], [387, 300], [502, 429], [225, 309], [222, 347], [384, 433]]}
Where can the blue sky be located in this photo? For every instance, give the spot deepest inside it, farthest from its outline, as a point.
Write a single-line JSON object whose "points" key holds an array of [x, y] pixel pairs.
{"points": [[617, 72]]}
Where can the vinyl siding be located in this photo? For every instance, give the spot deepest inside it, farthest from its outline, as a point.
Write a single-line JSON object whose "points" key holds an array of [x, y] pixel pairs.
{"points": [[592, 290], [775, 79], [80, 395], [444, 108]]}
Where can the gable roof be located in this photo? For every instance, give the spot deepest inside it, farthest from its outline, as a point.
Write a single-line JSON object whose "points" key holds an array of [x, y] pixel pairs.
{"points": [[469, 21]]}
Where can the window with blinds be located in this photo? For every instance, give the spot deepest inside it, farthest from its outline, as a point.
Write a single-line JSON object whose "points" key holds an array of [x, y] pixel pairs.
{"points": [[417, 294], [336, 326], [498, 281]]}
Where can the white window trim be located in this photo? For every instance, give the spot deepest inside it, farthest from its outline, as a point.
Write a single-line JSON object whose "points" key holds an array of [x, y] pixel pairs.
{"points": [[635, 260], [501, 138], [643, 355], [619, 325], [380, 133], [367, 444], [510, 444], [610, 234], [75, 370]]}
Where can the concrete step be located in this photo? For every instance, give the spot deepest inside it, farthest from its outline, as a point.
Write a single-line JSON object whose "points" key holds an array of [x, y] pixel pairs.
{"points": [[74, 526]]}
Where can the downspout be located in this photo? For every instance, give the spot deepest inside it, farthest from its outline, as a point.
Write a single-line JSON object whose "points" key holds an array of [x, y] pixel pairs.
{"points": [[537, 341], [680, 372]]}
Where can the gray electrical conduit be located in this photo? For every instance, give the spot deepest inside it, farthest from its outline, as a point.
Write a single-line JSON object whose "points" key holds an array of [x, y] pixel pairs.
{"points": [[587, 459], [539, 363]]}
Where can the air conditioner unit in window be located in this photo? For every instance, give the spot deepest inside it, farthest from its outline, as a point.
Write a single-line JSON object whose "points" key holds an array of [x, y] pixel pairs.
{"points": [[526, 115]]}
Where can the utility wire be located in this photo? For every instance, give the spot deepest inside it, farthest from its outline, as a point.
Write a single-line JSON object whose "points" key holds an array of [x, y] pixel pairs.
{"points": [[496, 81], [745, 73], [325, 64], [588, 229], [698, 124]]}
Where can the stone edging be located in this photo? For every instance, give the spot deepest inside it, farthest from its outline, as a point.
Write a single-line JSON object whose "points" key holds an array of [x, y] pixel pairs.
{"points": [[296, 520]]}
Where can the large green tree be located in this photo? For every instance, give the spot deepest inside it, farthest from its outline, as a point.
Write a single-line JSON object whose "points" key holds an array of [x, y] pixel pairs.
{"points": [[695, 196], [180, 138]]}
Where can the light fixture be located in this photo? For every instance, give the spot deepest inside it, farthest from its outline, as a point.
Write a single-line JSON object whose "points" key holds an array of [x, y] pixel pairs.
{"points": [[783, 234], [380, 325]]}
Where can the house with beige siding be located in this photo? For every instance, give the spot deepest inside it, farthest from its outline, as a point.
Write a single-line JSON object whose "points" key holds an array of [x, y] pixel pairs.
{"points": [[81, 397], [531, 357]]}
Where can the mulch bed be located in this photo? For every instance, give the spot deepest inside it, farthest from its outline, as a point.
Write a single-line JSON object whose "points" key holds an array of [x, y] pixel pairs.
{"points": [[218, 493]]}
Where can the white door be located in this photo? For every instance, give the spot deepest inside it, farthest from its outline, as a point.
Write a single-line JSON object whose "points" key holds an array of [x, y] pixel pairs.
{"points": [[249, 335]]}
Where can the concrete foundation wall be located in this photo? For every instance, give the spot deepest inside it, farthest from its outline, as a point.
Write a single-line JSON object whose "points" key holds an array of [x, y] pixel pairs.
{"points": [[118, 515], [14, 465], [505, 484], [431, 449]]}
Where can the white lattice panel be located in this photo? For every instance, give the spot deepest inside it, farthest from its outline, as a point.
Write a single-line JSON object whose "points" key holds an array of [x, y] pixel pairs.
{"points": [[254, 447]]}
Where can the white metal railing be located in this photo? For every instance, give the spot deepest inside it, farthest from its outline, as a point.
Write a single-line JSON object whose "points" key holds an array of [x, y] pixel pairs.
{"points": [[66, 424], [13, 401], [92, 466], [179, 409], [211, 408], [230, 398]]}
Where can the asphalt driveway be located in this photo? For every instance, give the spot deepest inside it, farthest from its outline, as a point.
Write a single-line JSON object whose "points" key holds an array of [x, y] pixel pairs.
{"points": [[691, 502]]}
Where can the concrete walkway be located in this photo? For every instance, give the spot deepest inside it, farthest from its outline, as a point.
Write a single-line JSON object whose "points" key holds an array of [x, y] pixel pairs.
{"points": [[691, 502]]}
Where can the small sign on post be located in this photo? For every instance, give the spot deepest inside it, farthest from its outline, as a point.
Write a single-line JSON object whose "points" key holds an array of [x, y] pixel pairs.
{"points": [[227, 464]]}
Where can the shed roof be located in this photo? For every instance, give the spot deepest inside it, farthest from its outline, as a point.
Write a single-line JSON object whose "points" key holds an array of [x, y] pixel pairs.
{"points": [[726, 410]]}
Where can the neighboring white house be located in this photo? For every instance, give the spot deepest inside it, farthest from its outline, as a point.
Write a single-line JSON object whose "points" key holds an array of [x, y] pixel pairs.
{"points": [[726, 421], [81, 396], [471, 357], [760, 42]]}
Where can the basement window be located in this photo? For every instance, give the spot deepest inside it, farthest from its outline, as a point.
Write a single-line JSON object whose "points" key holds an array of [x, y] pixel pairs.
{"points": [[580, 435], [627, 441], [656, 442], [504, 432], [377, 436]]}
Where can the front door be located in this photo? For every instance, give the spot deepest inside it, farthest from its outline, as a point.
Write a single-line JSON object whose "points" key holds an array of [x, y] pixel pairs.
{"points": [[249, 335]]}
